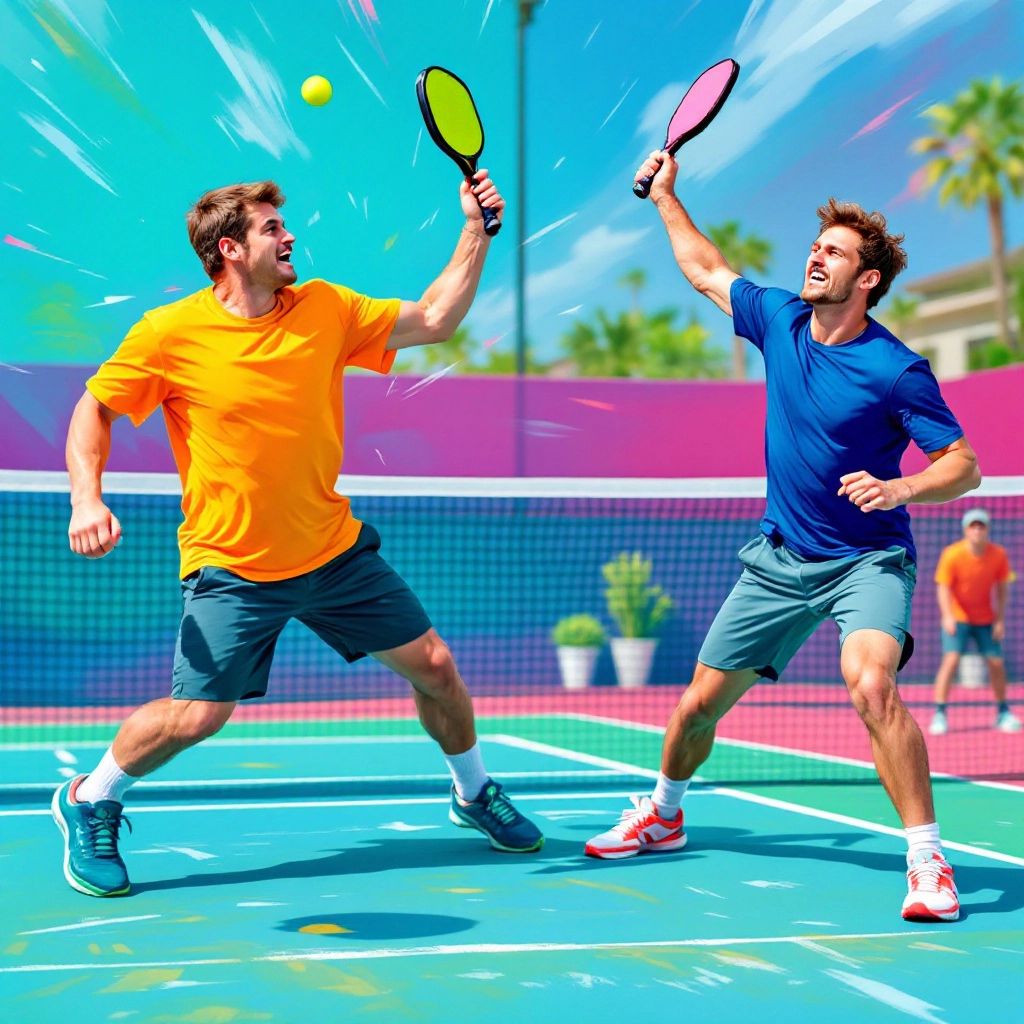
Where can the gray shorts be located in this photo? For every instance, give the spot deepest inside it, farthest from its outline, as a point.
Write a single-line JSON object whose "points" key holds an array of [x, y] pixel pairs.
{"points": [[781, 598], [356, 603]]}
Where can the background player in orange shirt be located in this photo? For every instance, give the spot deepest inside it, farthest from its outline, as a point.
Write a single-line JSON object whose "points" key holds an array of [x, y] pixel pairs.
{"points": [[968, 574], [248, 374]]}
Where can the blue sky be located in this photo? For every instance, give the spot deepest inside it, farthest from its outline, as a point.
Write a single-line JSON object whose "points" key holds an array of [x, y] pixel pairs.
{"points": [[117, 115]]}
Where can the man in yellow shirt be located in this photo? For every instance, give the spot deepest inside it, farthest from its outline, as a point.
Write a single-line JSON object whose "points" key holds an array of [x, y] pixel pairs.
{"points": [[249, 375], [968, 574]]}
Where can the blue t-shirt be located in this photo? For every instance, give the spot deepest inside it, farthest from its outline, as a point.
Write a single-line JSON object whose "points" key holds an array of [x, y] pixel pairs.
{"points": [[832, 410]]}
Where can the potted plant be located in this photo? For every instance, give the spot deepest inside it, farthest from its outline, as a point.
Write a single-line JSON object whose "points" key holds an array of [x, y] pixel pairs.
{"points": [[578, 639], [638, 608]]}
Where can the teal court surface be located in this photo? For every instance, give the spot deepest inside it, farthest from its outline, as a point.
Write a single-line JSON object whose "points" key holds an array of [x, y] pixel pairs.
{"points": [[269, 886]]}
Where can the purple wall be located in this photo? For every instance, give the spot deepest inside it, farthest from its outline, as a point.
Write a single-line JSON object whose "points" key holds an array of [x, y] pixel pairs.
{"points": [[464, 426]]}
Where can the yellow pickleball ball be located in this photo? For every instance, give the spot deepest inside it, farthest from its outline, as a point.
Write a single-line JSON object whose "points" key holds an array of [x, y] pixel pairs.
{"points": [[317, 91]]}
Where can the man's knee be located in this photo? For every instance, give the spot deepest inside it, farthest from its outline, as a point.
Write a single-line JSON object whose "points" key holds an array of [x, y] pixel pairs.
{"points": [[433, 670], [711, 693], [874, 692], [201, 719]]}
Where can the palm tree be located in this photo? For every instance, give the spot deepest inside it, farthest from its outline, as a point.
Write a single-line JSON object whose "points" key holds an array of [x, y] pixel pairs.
{"points": [[901, 312], [455, 350], [634, 280], [742, 254], [639, 344], [671, 353], [977, 150]]}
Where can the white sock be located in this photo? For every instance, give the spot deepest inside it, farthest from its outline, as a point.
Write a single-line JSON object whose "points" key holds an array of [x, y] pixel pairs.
{"points": [[468, 772], [105, 782], [923, 839], [668, 795]]}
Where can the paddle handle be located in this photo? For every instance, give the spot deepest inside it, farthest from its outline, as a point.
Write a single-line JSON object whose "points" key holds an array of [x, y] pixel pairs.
{"points": [[642, 188], [491, 223]]}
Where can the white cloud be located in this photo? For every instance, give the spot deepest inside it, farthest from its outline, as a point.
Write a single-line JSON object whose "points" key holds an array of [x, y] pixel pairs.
{"points": [[259, 115], [69, 148], [661, 106], [787, 49], [590, 258]]}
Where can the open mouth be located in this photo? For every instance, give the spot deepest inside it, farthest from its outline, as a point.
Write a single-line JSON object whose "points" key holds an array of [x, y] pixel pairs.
{"points": [[816, 277], [285, 257]]}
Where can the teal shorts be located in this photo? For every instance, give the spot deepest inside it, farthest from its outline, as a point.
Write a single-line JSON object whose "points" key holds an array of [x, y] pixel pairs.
{"points": [[780, 599], [967, 634], [356, 603]]}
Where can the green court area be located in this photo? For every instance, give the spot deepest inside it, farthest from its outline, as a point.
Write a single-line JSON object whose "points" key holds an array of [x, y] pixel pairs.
{"points": [[257, 896]]}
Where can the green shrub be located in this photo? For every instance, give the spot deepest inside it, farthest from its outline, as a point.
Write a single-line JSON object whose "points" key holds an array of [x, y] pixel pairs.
{"points": [[637, 606], [578, 631]]}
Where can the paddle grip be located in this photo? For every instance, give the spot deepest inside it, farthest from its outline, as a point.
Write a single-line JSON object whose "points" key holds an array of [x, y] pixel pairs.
{"points": [[642, 188], [491, 223]]}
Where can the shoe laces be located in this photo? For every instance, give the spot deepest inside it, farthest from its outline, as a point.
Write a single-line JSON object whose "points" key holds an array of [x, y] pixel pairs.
{"points": [[634, 817], [925, 875], [499, 805], [103, 826]]}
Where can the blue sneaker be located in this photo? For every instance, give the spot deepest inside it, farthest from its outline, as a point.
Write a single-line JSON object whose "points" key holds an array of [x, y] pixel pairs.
{"points": [[91, 862], [494, 814]]}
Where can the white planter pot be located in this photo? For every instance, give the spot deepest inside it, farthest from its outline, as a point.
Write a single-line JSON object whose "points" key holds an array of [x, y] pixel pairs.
{"points": [[633, 657], [577, 666], [973, 671]]}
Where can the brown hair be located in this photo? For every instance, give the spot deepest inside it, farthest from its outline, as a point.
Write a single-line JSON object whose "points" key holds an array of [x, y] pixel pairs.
{"points": [[878, 250], [225, 213]]}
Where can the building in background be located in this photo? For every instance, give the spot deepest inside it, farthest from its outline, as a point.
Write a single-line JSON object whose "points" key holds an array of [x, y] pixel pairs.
{"points": [[954, 314]]}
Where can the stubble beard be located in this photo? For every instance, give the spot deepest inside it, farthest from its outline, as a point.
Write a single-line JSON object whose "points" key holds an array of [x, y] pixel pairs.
{"points": [[826, 295]]}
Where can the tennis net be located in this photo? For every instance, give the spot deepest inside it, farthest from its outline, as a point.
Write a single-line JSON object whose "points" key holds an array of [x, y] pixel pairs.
{"points": [[496, 563]]}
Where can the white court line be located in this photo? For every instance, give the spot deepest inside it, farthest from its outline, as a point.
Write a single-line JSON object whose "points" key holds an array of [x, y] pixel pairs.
{"points": [[239, 741], [418, 736], [764, 801], [487, 948], [771, 749], [570, 755], [90, 924], [283, 781], [545, 748], [265, 805]]}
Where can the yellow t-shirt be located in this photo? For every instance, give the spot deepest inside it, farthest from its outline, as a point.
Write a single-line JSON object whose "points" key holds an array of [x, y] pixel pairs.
{"points": [[971, 578], [254, 413]]}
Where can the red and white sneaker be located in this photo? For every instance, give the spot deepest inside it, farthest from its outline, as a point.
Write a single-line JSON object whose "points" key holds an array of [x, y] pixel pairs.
{"points": [[641, 829], [932, 894]]}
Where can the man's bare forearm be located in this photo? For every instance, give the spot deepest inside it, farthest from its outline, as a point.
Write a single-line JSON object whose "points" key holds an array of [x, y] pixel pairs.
{"points": [[695, 253], [948, 477], [87, 450], [448, 298], [1002, 600]]}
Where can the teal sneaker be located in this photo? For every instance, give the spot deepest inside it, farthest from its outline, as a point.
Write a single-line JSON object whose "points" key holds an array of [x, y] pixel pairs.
{"points": [[91, 862], [495, 815]]}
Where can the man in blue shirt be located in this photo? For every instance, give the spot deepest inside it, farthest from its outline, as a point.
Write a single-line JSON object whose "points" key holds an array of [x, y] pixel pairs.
{"points": [[845, 398]]}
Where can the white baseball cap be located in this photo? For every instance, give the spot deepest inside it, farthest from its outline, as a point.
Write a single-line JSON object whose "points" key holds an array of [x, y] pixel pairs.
{"points": [[975, 515]]}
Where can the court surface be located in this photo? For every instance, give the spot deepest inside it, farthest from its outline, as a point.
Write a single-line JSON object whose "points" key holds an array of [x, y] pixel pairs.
{"points": [[282, 906]]}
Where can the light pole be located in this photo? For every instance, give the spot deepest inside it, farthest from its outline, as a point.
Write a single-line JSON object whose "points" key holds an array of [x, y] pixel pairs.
{"points": [[525, 17]]}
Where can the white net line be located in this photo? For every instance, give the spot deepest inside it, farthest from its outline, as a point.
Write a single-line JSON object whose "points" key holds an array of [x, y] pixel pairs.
{"points": [[476, 487]]}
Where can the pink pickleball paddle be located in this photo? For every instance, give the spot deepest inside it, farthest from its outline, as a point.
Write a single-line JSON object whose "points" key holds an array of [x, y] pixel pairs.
{"points": [[696, 110]]}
